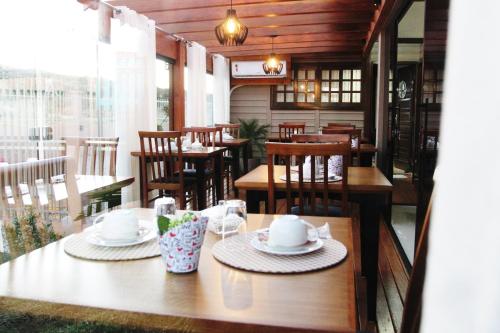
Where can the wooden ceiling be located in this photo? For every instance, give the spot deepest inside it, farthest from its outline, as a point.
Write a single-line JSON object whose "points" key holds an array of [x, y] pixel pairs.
{"points": [[302, 26]]}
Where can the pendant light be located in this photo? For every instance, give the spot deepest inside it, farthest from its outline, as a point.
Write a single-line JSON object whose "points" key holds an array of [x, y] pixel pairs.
{"points": [[231, 31], [273, 65]]}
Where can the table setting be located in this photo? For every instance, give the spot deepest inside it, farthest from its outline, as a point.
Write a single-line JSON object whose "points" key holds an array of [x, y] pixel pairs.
{"points": [[289, 245], [334, 170]]}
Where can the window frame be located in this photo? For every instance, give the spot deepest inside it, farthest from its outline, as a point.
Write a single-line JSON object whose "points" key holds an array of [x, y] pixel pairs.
{"points": [[317, 104], [171, 91]]}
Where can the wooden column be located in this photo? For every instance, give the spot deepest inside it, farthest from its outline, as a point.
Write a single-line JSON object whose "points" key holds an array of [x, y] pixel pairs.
{"points": [[382, 112], [178, 87]]}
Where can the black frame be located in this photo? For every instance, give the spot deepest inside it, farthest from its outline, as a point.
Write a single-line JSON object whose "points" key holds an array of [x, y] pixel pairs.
{"points": [[318, 105]]}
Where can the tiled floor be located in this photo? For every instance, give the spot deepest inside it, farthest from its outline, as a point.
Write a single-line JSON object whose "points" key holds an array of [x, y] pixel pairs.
{"points": [[403, 222]]}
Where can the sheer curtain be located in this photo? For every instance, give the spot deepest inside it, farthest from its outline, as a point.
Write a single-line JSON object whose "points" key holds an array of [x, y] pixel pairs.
{"points": [[196, 94], [462, 289], [48, 75], [134, 48], [221, 89]]}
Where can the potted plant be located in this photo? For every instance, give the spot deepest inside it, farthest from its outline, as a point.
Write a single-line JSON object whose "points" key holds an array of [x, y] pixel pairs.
{"points": [[251, 129]]}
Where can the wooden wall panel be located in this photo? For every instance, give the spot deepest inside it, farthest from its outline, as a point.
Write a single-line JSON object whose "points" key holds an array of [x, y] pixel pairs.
{"points": [[250, 102]]}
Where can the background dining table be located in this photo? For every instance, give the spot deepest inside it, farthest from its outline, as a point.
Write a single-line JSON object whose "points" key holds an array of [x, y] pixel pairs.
{"points": [[199, 157], [367, 186], [216, 298], [237, 148]]}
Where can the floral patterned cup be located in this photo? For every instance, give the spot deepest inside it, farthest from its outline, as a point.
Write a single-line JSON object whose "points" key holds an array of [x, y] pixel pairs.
{"points": [[180, 246]]}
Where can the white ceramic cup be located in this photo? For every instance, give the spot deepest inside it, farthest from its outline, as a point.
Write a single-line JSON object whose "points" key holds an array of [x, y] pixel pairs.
{"points": [[118, 225], [289, 231]]}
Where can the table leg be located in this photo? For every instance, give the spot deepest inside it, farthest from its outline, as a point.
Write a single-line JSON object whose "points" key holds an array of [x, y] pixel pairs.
{"points": [[219, 177], [253, 201], [141, 183], [235, 166], [201, 183], [366, 159], [371, 210], [245, 157]]}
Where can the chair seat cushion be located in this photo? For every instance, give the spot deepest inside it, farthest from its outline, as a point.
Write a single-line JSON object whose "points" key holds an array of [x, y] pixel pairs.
{"points": [[332, 211], [187, 180]]}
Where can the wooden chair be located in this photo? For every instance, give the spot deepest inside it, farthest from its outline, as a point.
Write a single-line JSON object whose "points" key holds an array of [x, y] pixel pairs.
{"points": [[166, 167], [207, 136], [232, 129], [353, 133], [39, 201], [96, 151], [287, 129], [341, 125], [321, 138], [299, 151]]}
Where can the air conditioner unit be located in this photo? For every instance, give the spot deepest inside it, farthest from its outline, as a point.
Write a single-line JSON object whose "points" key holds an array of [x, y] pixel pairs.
{"points": [[253, 70]]}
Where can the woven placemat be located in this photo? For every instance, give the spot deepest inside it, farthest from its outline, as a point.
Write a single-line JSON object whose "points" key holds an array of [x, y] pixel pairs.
{"points": [[237, 252], [77, 246]]}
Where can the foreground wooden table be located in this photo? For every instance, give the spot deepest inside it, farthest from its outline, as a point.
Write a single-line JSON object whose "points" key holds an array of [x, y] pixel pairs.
{"points": [[88, 184], [198, 157], [367, 186], [216, 298], [237, 146]]}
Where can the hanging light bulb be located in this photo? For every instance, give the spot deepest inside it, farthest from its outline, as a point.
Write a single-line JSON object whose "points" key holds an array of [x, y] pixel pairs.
{"points": [[272, 66], [231, 31]]}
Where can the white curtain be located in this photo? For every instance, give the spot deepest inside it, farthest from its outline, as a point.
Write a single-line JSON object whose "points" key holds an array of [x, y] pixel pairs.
{"points": [[462, 289], [48, 75], [221, 89], [196, 94], [134, 48]]}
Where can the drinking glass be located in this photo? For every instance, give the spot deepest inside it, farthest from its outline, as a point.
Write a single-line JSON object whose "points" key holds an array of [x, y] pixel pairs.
{"points": [[235, 218]]}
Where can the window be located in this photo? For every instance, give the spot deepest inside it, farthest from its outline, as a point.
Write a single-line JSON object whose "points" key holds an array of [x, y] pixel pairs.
{"points": [[433, 85], [319, 88], [163, 94]]}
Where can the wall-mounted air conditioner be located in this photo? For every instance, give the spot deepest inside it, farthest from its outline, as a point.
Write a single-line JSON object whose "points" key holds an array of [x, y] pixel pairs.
{"points": [[253, 70]]}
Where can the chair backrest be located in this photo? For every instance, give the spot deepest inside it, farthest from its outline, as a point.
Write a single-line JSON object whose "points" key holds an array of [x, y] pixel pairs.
{"points": [[355, 135], [44, 189], [341, 125], [164, 152], [232, 129], [203, 134], [300, 151], [286, 130], [18, 182], [321, 138], [96, 151], [413, 302]]}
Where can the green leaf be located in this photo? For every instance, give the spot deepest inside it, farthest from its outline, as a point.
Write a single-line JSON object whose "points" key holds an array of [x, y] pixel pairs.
{"points": [[163, 224]]}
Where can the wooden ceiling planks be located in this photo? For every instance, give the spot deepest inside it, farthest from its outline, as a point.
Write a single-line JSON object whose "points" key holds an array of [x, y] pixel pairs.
{"points": [[302, 25]]}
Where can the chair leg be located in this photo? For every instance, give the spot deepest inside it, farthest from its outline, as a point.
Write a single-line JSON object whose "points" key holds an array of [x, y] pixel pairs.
{"points": [[227, 180]]}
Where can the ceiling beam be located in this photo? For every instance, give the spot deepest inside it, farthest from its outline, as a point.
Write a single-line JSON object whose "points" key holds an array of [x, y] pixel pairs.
{"points": [[267, 21], [288, 30], [260, 9], [339, 36], [267, 47], [294, 51]]}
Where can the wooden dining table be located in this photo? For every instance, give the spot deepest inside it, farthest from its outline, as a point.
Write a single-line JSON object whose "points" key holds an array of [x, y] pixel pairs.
{"points": [[366, 150], [237, 148], [199, 157], [215, 298], [367, 186]]}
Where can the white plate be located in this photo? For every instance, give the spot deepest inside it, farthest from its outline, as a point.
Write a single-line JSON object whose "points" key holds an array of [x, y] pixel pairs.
{"points": [[145, 234], [286, 251]]}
